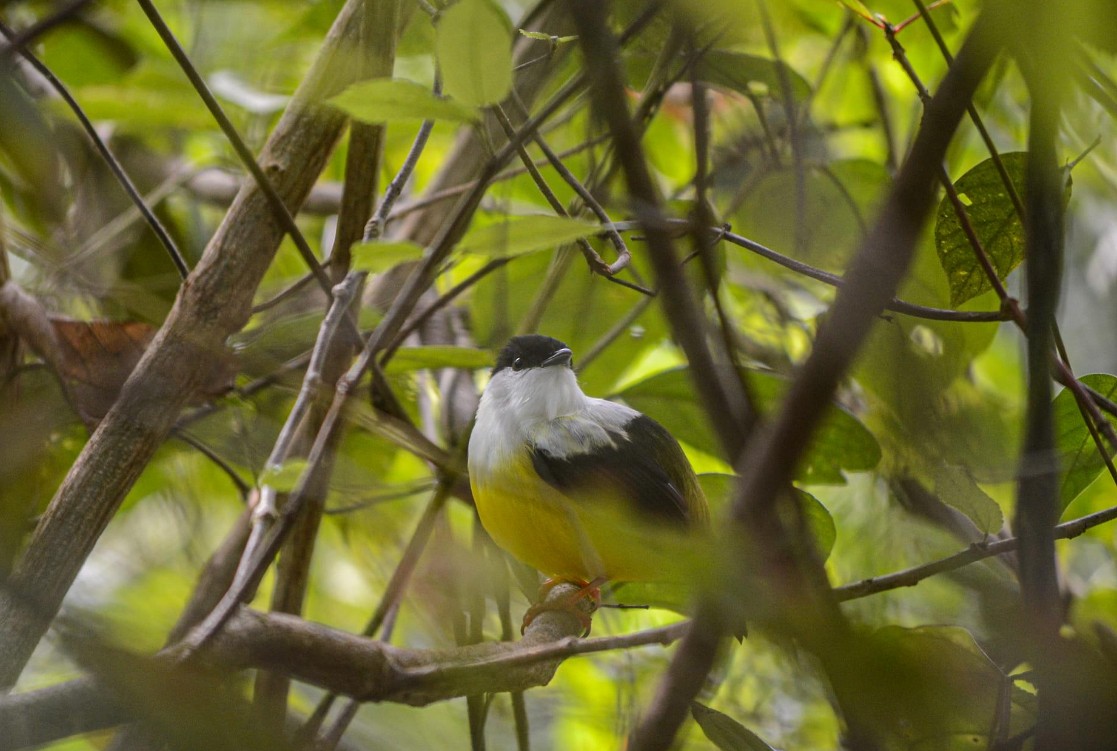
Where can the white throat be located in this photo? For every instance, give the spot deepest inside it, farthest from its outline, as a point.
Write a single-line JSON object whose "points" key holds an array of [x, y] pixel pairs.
{"points": [[539, 407]]}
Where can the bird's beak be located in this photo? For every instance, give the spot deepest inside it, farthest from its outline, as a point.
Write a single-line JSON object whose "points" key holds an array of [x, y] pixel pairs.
{"points": [[562, 357]]}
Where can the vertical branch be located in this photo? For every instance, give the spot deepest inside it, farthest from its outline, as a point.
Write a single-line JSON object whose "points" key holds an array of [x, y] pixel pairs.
{"points": [[1037, 506]]}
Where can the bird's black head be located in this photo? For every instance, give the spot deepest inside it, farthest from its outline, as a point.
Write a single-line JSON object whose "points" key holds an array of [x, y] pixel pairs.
{"points": [[532, 351]]}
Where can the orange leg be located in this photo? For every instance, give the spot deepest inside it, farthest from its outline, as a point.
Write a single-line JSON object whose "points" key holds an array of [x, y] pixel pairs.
{"points": [[568, 603]]}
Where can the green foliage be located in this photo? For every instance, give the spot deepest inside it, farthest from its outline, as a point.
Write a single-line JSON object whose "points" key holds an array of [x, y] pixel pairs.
{"points": [[1078, 453], [474, 49], [995, 221], [957, 488], [725, 732], [385, 100], [377, 257], [514, 235], [929, 403], [439, 356], [841, 444], [719, 490]]}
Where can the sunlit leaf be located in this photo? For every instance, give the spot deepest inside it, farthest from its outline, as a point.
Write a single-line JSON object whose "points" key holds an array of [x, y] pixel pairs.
{"points": [[525, 234], [1079, 457], [725, 732], [388, 100], [474, 47], [957, 488], [995, 222], [376, 257], [439, 356]]}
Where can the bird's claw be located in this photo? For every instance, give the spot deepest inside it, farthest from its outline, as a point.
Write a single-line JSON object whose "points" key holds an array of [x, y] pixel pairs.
{"points": [[574, 603]]}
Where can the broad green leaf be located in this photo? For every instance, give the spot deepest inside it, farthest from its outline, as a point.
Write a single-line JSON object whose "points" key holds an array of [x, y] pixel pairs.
{"points": [[474, 48], [957, 488], [1078, 454], [993, 217], [820, 522], [284, 477], [376, 257], [525, 234], [738, 71], [840, 443], [388, 100], [725, 732], [439, 356]]}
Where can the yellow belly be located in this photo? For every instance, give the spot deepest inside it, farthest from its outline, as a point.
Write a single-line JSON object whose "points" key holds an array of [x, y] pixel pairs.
{"points": [[562, 537]]}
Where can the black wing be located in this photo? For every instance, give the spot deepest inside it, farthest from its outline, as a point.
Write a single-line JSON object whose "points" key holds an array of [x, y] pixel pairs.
{"points": [[646, 466]]}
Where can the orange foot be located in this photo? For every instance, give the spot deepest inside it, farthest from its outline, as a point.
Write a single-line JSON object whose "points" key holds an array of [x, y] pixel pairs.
{"points": [[570, 603]]}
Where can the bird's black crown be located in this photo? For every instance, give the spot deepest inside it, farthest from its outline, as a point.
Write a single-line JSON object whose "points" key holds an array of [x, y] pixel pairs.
{"points": [[526, 352]]}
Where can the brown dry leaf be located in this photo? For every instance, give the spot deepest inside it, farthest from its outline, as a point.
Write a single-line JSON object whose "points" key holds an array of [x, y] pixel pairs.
{"points": [[96, 357]]}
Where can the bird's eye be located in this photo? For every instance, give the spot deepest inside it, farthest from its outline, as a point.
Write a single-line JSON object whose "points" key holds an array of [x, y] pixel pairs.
{"points": [[518, 364]]}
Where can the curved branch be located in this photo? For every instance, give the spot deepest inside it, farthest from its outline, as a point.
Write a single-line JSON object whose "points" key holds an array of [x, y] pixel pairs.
{"points": [[337, 661]]}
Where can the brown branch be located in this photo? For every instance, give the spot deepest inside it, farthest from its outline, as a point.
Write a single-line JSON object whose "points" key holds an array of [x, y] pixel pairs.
{"points": [[349, 665], [214, 302]]}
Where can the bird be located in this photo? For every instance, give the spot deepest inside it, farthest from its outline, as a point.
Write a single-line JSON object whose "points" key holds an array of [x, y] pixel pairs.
{"points": [[583, 489]]}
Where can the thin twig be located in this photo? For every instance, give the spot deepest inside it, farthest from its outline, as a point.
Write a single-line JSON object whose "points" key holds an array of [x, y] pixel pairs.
{"points": [[375, 227], [978, 551]]}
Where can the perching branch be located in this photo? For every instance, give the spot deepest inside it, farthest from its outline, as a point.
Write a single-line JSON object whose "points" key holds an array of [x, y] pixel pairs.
{"points": [[349, 665]]}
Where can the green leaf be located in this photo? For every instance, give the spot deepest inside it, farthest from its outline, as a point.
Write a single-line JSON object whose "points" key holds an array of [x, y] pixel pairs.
{"points": [[841, 442], [388, 100], [474, 49], [819, 520], [1078, 454], [957, 488], [439, 356], [725, 732], [719, 489], [739, 72], [376, 257], [284, 477], [995, 223], [525, 234]]}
